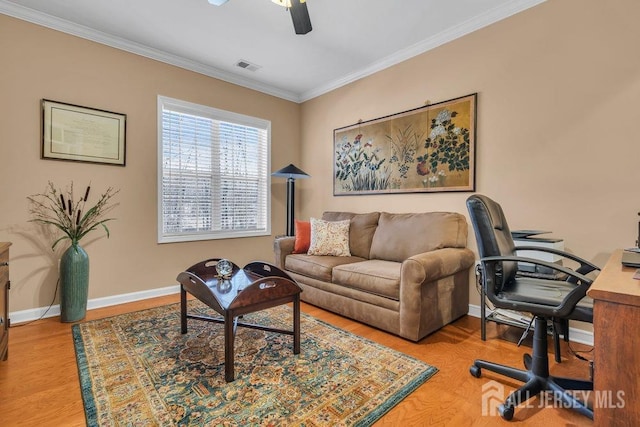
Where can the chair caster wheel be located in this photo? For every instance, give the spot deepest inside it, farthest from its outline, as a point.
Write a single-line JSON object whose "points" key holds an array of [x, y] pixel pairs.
{"points": [[475, 371], [506, 411]]}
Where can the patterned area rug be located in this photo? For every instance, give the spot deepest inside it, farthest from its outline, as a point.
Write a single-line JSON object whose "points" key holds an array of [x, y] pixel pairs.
{"points": [[137, 369]]}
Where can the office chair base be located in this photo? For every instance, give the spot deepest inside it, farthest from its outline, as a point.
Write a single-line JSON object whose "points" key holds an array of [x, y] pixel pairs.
{"points": [[536, 378]]}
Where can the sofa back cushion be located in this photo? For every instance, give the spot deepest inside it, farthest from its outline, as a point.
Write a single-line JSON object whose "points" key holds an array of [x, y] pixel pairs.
{"points": [[361, 230], [400, 236]]}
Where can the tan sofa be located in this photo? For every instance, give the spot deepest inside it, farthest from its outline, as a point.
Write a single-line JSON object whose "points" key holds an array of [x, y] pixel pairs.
{"points": [[408, 274]]}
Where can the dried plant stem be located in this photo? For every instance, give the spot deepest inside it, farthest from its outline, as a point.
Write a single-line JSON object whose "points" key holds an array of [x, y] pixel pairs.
{"points": [[72, 218]]}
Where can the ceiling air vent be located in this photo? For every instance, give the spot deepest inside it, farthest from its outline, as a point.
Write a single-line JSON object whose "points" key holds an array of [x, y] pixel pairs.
{"points": [[247, 65]]}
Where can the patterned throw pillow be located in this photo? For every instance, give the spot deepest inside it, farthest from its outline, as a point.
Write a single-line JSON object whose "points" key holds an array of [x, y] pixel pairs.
{"points": [[329, 237]]}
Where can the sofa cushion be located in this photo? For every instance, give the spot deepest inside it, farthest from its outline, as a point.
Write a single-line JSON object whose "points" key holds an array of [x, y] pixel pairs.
{"points": [[373, 276], [400, 236], [316, 266], [361, 230], [329, 237]]}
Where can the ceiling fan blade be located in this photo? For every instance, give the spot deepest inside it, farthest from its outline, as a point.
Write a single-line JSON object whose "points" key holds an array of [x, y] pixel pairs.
{"points": [[300, 17]]}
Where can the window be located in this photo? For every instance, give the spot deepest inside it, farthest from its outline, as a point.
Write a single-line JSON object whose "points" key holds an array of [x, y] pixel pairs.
{"points": [[213, 179]]}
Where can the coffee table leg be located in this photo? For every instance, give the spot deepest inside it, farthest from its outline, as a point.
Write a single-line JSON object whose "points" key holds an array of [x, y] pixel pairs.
{"points": [[296, 325], [228, 347], [183, 310]]}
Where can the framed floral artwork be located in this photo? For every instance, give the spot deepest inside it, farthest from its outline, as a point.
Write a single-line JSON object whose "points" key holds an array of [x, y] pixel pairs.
{"points": [[426, 149]]}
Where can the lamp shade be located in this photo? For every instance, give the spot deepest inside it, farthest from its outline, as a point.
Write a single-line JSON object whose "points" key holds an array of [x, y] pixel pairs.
{"points": [[290, 171]]}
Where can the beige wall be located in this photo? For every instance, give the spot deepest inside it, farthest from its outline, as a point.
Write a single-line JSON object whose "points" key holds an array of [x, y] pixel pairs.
{"points": [[558, 104], [558, 109], [40, 63]]}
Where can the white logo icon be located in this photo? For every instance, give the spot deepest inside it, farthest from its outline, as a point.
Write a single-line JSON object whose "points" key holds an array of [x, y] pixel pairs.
{"points": [[492, 396]]}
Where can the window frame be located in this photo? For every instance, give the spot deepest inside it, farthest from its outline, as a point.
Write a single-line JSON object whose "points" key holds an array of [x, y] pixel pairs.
{"points": [[180, 106]]}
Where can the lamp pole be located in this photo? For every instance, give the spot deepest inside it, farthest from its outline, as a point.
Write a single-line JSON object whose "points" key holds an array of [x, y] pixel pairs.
{"points": [[292, 173], [291, 195]]}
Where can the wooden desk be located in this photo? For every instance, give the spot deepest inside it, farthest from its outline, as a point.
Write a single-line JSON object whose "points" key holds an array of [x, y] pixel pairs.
{"points": [[4, 300], [616, 323]]}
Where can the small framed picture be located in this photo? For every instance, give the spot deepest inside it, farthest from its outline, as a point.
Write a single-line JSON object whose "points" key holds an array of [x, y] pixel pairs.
{"points": [[81, 134]]}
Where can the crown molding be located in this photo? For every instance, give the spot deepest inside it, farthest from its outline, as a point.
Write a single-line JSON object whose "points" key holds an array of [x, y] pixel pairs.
{"points": [[39, 18], [450, 34], [478, 22]]}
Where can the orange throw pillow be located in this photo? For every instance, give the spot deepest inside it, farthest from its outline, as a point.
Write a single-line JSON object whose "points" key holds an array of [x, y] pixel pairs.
{"points": [[303, 237]]}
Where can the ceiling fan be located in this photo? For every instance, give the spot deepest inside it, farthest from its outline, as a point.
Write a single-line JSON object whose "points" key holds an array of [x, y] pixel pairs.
{"points": [[297, 8]]}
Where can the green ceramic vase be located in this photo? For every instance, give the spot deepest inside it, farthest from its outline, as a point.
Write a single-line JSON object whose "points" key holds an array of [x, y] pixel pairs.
{"points": [[74, 284]]}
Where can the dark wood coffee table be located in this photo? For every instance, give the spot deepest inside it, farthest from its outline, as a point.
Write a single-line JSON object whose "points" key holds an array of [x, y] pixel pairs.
{"points": [[255, 287]]}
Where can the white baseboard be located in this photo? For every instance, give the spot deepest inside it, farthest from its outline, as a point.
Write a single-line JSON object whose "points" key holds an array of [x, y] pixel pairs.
{"points": [[42, 312], [575, 335]]}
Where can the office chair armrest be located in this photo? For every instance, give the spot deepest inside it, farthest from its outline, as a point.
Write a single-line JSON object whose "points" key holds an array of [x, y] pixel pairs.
{"points": [[585, 266], [580, 281], [573, 273], [560, 311]]}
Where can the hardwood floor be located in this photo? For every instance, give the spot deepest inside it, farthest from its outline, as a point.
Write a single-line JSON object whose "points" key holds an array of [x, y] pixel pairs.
{"points": [[39, 382]]}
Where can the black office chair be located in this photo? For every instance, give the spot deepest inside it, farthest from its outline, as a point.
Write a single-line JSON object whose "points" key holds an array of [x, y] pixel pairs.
{"points": [[555, 300]]}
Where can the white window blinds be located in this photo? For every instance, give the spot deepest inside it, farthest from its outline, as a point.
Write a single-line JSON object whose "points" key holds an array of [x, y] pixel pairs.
{"points": [[213, 173]]}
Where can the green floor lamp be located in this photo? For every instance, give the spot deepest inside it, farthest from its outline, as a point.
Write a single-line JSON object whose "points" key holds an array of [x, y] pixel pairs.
{"points": [[291, 173]]}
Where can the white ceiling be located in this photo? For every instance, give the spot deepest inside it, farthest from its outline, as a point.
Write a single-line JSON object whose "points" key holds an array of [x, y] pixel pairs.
{"points": [[350, 38]]}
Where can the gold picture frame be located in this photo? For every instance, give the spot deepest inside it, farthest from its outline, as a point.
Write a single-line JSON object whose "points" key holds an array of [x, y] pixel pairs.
{"points": [[81, 134], [424, 150]]}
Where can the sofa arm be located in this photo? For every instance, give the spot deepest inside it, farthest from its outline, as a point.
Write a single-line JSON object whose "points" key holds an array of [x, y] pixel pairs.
{"points": [[282, 246], [434, 265], [434, 290]]}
